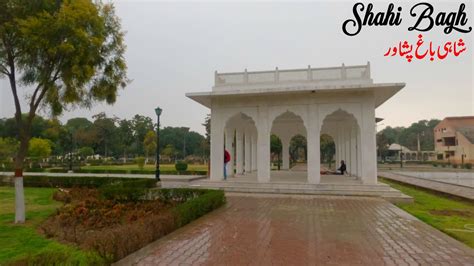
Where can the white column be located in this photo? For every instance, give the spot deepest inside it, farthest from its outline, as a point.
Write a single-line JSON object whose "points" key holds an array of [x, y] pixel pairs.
{"points": [[353, 151], [347, 137], [217, 147], [239, 154], [339, 146], [285, 150], [313, 142], [359, 154], [248, 151], [229, 140], [254, 150], [368, 146], [263, 145]]}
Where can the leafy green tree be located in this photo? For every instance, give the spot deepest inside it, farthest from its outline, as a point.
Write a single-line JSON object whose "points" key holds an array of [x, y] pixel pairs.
{"points": [[77, 123], [297, 143], [85, 151], [206, 143], [275, 144], [169, 151], [105, 134], [141, 125], [408, 137], [177, 136], [327, 148], [149, 143], [140, 162], [276, 147], [125, 137], [82, 133], [8, 148], [70, 53], [39, 148]]}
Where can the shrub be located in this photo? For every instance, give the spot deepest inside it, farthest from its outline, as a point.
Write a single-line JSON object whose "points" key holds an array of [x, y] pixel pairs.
{"points": [[114, 230], [119, 241], [181, 166], [197, 207], [435, 165], [76, 181], [176, 194], [455, 165], [140, 162], [127, 191], [443, 165], [58, 170], [35, 170], [169, 172], [468, 165], [102, 171]]}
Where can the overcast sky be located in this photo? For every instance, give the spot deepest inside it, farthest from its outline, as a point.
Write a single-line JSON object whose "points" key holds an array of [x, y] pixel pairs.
{"points": [[174, 48]]}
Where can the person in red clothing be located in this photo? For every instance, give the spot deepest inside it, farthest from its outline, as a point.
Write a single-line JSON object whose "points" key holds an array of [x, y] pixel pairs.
{"points": [[226, 160]]}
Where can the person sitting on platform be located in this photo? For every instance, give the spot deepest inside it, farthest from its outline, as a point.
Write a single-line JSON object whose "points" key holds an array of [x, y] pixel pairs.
{"points": [[342, 168]]}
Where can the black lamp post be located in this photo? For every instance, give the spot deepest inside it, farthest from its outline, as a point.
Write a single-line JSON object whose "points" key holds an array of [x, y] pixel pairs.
{"points": [[157, 173]]}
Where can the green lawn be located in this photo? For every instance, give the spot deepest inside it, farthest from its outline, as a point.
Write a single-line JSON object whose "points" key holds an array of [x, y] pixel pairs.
{"points": [[452, 216], [19, 241], [163, 167]]}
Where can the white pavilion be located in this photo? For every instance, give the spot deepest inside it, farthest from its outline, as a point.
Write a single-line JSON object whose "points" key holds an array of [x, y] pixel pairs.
{"points": [[250, 106]]}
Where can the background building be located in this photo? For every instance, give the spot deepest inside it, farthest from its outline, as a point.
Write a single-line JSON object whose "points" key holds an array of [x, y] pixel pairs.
{"points": [[454, 139]]}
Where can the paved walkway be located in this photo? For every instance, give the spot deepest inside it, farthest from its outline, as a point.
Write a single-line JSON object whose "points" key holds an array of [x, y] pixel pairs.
{"points": [[457, 190], [305, 230]]}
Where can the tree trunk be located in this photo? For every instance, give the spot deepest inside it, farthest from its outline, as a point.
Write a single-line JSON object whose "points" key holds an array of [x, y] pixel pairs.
{"points": [[19, 191]]}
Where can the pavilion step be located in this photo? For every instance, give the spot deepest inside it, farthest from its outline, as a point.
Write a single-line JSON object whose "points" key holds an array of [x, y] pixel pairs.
{"points": [[392, 195], [377, 190], [223, 184]]}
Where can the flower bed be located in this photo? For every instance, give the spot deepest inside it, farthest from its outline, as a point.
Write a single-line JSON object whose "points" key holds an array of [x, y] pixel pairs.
{"points": [[118, 219]]}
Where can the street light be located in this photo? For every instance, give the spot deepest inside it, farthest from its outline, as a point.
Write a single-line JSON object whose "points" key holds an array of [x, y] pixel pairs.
{"points": [[157, 173]]}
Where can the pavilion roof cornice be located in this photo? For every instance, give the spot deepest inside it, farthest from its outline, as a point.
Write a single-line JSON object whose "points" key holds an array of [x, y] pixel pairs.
{"points": [[382, 91]]}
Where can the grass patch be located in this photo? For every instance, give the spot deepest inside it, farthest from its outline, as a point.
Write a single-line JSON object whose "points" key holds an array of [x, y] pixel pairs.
{"points": [[440, 211], [130, 167], [18, 242]]}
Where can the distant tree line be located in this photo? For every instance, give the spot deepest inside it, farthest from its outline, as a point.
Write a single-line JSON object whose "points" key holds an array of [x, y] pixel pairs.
{"points": [[408, 136], [109, 137]]}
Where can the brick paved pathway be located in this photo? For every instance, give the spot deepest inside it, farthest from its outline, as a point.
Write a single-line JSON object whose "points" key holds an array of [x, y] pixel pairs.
{"points": [[305, 230]]}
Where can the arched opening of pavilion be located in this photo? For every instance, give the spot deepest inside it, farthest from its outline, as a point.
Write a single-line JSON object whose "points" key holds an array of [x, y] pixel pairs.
{"points": [[344, 129], [240, 140], [298, 153], [291, 131], [327, 152]]}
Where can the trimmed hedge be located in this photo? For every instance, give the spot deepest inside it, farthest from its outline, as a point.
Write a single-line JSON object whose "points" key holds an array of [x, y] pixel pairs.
{"points": [[194, 203], [127, 191], [181, 166], [198, 206], [172, 172], [124, 171], [81, 181], [120, 241]]}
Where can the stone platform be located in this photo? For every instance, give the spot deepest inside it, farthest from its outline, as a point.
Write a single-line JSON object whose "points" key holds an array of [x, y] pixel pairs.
{"points": [[294, 182]]}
